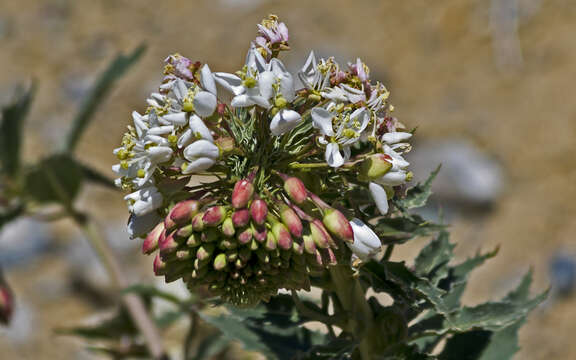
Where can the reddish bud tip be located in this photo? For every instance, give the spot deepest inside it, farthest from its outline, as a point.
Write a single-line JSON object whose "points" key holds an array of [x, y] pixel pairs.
{"points": [[259, 234], [296, 190], [150, 244], [241, 218], [259, 210], [168, 245], [282, 236], [245, 236], [291, 220], [338, 225], [183, 211], [197, 222], [6, 304], [242, 194], [159, 266], [214, 216]]}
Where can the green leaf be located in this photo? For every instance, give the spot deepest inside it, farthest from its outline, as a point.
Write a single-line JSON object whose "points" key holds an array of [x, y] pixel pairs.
{"points": [[115, 70], [418, 195], [402, 229], [11, 126], [57, 178], [432, 261]]}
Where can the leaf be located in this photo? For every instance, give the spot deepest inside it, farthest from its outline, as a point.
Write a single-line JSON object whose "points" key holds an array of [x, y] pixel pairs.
{"points": [[57, 178], [418, 195], [401, 229], [11, 125], [113, 72], [432, 261], [211, 346]]}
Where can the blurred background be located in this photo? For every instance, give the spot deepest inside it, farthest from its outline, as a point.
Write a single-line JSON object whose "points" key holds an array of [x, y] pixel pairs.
{"points": [[489, 84]]}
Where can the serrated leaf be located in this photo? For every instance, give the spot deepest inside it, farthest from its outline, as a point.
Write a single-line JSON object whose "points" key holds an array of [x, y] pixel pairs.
{"points": [[55, 179], [418, 195], [11, 126], [113, 72], [432, 261], [402, 229]]}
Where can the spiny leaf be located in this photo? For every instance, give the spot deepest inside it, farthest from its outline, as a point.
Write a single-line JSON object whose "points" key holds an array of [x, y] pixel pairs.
{"points": [[115, 70], [432, 261], [11, 126], [418, 195]]}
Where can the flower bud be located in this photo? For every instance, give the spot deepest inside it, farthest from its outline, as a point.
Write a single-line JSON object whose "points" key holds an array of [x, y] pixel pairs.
{"points": [[320, 235], [205, 251], [242, 194], [259, 210], [220, 261], [183, 211], [259, 234], [159, 266], [6, 304], [150, 244], [245, 236], [184, 232], [309, 244], [228, 227], [193, 240], [214, 216], [168, 245], [338, 225], [197, 222], [291, 220], [296, 190], [241, 218], [282, 236], [375, 166], [271, 243]]}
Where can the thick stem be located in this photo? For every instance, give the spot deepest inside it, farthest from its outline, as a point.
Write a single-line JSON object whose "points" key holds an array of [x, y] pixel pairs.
{"points": [[133, 302]]}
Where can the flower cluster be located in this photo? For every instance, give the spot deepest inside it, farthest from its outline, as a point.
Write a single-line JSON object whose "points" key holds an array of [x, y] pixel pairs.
{"points": [[281, 153]]}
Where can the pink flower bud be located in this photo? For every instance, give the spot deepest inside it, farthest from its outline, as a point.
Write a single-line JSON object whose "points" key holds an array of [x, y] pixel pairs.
{"points": [[241, 218], [184, 232], [197, 222], [228, 227], [6, 303], [338, 225], [259, 234], [282, 236], [309, 244], [183, 211], [168, 245], [214, 216], [320, 235], [259, 210], [150, 244], [220, 261], [375, 166], [205, 251], [296, 190], [291, 220], [159, 266], [245, 236], [242, 194]]}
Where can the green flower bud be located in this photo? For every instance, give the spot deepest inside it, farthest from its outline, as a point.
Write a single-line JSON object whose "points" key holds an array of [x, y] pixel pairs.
{"points": [[220, 261], [375, 166]]}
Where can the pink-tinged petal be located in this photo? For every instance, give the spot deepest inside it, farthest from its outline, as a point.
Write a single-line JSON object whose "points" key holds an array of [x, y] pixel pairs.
{"points": [[201, 148], [322, 119], [284, 121], [198, 128], [205, 103], [333, 156], [283, 31], [380, 197], [230, 82], [207, 79]]}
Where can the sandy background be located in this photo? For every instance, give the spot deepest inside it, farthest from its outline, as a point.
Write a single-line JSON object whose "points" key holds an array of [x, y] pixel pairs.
{"points": [[456, 69]]}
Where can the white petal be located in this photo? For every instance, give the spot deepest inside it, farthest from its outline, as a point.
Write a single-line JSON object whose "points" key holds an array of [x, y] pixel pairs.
{"points": [[230, 82], [265, 81], [144, 200], [186, 138], [204, 103], [199, 128], [176, 118], [198, 165], [201, 148], [333, 156], [366, 242], [159, 154], [284, 121], [380, 197], [362, 116], [261, 101], [242, 101], [392, 178], [322, 119], [161, 130], [396, 137], [140, 125], [207, 79], [179, 89], [255, 61], [140, 226]]}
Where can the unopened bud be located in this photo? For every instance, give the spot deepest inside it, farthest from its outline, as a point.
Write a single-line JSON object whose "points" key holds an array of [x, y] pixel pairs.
{"points": [[220, 261], [193, 240], [197, 222], [309, 244], [320, 235], [150, 244], [296, 190], [338, 225], [228, 227], [241, 218], [259, 210], [183, 211], [291, 220], [214, 216], [375, 166], [168, 245], [205, 251], [184, 232], [242, 194], [245, 236], [271, 243], [259, 234], [159, 266], [282, 236]]}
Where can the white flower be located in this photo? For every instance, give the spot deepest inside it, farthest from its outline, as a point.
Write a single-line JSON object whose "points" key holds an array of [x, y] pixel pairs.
{"points": [[197, 130], [144, 201], [380, 197], [284, 121], [366, 243], [140, 226], [349, 129], [201, 154], [395, 137]]}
